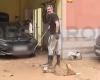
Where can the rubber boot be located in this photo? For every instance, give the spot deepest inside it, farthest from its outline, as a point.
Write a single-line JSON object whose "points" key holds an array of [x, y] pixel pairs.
{"points": [[50, 60], [58, 60]]}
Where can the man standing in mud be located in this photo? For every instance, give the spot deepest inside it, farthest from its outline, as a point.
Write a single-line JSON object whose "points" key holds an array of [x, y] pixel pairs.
{"points": [[54, 30]]}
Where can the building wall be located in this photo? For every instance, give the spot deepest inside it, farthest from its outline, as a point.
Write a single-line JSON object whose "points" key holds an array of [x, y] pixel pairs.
{"points": [[80, 25], [13, 8], [83, 13], [83, 18], [10, 6]]}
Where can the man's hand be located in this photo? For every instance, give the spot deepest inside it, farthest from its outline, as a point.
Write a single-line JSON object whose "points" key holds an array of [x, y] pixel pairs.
{"points": [[57, 36]]}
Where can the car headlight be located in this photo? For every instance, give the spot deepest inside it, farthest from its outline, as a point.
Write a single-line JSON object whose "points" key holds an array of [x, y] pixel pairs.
{"points": [[5, 44]]}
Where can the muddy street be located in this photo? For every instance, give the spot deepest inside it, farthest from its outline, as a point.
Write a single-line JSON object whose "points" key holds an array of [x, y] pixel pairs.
{"points": [[29, 69]]}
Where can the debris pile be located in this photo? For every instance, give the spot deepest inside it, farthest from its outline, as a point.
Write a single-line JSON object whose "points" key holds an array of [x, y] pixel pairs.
{"points": [[58, 70]]}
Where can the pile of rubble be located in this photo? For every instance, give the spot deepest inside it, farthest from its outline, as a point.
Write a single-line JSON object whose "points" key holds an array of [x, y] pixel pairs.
{"points": [[59, 70]]}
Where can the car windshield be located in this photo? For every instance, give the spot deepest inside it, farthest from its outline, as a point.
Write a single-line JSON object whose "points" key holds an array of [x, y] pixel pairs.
{"points": [[11, 31]]}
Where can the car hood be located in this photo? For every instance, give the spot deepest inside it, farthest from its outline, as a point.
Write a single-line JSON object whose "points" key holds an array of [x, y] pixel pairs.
{"points": [[15, 40]]}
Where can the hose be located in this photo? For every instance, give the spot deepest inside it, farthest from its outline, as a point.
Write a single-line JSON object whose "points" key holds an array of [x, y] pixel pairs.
{"points": [[40, 40]]}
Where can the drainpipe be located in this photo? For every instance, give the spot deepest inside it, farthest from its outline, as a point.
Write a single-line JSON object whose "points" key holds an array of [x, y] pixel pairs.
{"points": [[61, 33], [63, 22]]}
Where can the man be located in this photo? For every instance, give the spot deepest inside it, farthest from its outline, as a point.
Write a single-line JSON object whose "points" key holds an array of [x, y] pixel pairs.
{"points": [[53, 41], [30, 27]]}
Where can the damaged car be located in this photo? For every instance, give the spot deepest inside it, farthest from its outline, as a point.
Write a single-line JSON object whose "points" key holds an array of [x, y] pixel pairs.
{"points": [[97, 46], [14, 42]]}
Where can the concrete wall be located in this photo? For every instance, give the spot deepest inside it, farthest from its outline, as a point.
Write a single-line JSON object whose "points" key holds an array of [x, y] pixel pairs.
{"points": [[80, 25], [83, 16], [36, 3], [18, 7], [11, 7], [83, 13], [14, 8]]}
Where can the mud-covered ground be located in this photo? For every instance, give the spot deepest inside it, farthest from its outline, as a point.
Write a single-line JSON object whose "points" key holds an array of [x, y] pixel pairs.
{"points": [[29, 69]]}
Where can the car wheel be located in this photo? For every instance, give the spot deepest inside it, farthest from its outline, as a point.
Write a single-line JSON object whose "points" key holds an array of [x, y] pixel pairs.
{"points": [[32, 55]]}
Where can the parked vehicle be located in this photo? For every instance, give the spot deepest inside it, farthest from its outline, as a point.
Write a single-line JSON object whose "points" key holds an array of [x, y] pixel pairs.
{"points": [[14, 42], [97, 46], [4, 17]]}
